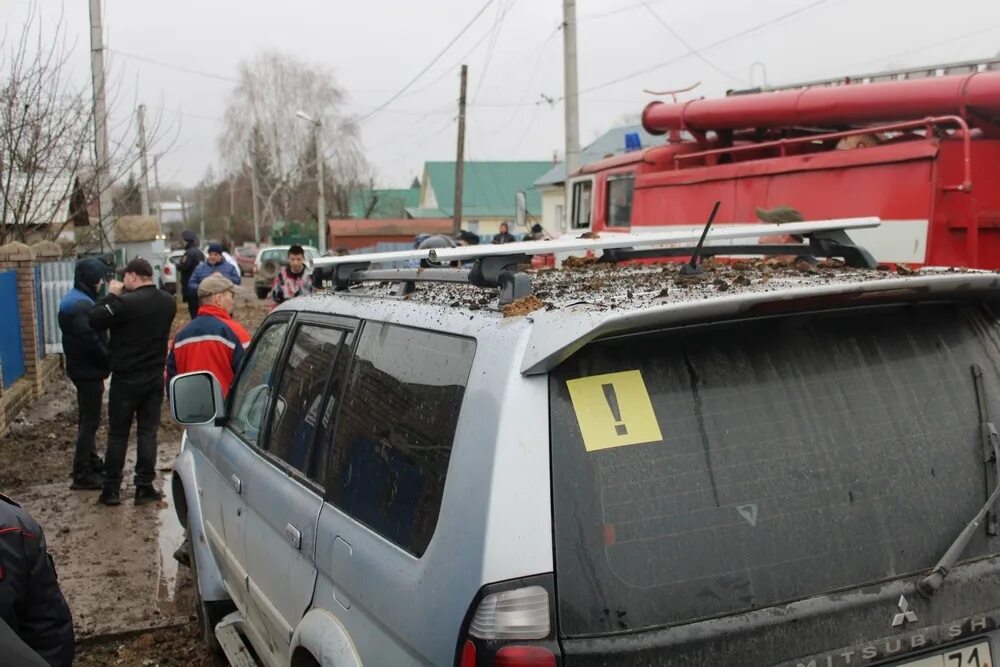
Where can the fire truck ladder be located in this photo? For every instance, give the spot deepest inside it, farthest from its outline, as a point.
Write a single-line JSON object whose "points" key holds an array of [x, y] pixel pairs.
{"points": [[497, 266], [961, 67]]}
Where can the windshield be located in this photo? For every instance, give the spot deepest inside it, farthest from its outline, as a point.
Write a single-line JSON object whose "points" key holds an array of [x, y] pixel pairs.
{"points": [[709, 470]]}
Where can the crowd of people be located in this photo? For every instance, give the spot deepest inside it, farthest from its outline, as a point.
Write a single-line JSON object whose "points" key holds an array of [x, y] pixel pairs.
{"points": [[123, 335]]}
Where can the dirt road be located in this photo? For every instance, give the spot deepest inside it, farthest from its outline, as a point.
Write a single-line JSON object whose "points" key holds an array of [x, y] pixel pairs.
{"points": [[131, 603]]}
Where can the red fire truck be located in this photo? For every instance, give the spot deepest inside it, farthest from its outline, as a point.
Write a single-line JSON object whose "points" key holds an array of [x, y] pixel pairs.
{"points": [[918, 148]]}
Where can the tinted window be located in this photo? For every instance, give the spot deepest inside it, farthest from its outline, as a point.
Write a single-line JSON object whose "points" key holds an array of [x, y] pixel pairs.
{"points": [[620, 190], [301, 394], [772, 461], [250, 394], [394, 435]]}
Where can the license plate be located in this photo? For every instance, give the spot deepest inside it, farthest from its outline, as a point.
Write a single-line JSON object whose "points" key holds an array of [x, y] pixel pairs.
{"points": [[976, 655]]}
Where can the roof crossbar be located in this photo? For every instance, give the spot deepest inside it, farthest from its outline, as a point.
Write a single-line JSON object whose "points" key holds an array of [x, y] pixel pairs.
{"points": [[831, 243], [496, 266]]}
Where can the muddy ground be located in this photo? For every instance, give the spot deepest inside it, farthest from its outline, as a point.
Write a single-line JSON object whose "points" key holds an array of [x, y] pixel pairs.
{"points": [[132, 604]]}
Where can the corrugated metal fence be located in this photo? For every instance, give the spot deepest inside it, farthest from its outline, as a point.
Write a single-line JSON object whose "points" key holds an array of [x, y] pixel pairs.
{"points": [[56, 279], [11, 347]]}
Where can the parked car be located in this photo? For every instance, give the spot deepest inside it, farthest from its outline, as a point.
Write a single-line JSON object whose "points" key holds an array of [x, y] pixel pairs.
{"points": [[605, 464], [269, 261], [169, 271], [246, 257]]}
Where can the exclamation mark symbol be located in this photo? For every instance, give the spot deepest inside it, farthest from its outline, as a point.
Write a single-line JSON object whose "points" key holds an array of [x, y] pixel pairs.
{"points": [[612, 399]]}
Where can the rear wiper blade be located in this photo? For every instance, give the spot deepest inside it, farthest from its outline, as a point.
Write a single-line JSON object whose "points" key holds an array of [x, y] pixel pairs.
{"points": [[932, 581], [991, 454]]}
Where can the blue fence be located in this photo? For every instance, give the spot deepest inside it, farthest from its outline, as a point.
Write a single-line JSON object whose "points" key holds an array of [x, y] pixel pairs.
{"points": [[11, 347]]}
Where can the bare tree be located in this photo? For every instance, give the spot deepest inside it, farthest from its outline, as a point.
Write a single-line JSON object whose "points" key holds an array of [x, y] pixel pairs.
{"points": [[46, 135], [262, 130]]}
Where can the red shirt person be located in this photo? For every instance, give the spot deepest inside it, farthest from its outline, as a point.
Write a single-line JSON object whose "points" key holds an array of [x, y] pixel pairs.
{"points": [[213, 341]]}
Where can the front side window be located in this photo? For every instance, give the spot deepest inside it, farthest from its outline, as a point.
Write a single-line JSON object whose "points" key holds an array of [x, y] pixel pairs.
{"points": [[301, 392], [620, 191], [251, 392], [394, 435], [581, 204]]}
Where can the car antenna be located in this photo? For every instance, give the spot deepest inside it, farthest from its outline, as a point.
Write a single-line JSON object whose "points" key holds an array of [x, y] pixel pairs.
{"points": [[692, 268]]}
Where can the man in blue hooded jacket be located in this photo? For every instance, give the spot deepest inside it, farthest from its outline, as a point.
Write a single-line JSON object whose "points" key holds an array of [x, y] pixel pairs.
{"points": [[214, 263], [86, 353]]}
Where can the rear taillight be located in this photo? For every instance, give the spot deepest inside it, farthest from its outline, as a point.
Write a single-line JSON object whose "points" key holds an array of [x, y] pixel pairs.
{"points": [[511, 624], [521, 613], [166, 270], [524, 656]]}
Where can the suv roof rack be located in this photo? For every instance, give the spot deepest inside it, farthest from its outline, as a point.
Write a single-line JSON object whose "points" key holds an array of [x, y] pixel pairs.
{"points": [[496, 266]]}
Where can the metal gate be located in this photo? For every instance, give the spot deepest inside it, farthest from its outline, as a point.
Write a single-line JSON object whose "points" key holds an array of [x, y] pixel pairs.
{"points": [[56, 279], [11, 347]]}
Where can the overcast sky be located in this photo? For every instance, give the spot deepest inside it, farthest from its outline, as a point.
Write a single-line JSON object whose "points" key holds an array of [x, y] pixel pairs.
{"points": [[179, 58]]}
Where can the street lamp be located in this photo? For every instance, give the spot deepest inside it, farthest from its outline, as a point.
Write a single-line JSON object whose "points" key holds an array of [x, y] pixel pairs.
{"points": [[321, 196]]}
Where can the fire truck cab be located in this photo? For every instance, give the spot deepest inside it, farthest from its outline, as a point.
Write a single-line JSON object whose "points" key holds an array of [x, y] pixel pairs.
{"points": [[918, 148]]}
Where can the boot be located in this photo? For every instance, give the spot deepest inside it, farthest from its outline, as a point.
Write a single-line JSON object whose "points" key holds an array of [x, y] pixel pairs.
{"points": [[147, 494], [90, 482], [110, 497]]}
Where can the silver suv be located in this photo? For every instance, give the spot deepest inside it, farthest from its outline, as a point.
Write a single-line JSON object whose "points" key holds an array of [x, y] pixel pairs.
{"points": [[749, 462]]}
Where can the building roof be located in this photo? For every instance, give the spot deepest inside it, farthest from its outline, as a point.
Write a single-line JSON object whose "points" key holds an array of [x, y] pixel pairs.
{"points": [[488, 189], [388, 203], [611, 142]]}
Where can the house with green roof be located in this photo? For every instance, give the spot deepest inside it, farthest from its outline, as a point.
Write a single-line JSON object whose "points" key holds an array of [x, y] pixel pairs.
{"points": [[488, 193], [382, 203]]}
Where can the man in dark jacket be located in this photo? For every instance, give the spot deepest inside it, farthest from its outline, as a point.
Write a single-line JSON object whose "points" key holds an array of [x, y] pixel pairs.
{"points": [[189, 262], [30, 600], [86, 354], [139, 317]]}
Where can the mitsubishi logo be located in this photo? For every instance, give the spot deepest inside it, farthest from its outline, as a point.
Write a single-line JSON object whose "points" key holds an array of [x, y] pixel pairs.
{"points": [[905, 615]]}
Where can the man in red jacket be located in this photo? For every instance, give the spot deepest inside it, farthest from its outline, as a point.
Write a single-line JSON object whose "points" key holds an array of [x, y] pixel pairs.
{"points": [[213, 341]]}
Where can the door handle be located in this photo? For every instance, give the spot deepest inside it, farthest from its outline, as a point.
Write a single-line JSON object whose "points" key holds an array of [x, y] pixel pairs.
{"points": [[237, 483], [293, 536]]}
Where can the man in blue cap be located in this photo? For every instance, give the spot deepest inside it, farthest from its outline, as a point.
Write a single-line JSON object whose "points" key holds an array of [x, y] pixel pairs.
{"points": [[214, 263], [86, 354]]}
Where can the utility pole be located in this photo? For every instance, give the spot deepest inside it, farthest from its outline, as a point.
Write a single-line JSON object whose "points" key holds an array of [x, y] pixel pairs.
{"points": [[232, 210], [456, 225], [201, 211], [144, 187], [101, 123], [156, 184], [571, 99], [321, 197], [253, 188]]}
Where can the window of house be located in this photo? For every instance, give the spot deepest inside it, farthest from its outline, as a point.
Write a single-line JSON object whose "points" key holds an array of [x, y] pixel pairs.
{"points": [[559, 216], [620, 191], [301, 395], [250, 394], [395, 431]]}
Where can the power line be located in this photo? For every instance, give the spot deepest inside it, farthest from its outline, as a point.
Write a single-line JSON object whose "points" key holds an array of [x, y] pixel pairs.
{"points": [[717, 43], [179, 68], [495, 32], [693, 51], [622, 10], [428, 66]]}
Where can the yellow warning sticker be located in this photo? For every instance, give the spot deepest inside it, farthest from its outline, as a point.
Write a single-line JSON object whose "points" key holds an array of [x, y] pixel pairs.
{"points": [[613, 410]]}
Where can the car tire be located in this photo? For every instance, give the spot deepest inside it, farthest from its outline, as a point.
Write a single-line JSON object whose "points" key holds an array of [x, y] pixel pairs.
{"points": [[262, 292], [209, 612]]}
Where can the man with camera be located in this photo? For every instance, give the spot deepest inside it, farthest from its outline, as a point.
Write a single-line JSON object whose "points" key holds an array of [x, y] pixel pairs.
{"points": [[139, 316]]}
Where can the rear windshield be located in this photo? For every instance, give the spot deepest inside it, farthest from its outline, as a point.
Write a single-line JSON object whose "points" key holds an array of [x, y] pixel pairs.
{"points": [[704, 471], [279, 255]]}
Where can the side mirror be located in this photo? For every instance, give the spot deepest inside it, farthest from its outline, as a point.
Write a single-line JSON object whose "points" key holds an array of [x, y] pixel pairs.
{"points": [[520, 209], [196, 398]]}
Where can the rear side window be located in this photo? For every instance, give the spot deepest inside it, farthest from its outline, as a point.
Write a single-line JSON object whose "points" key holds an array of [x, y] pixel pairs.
{"points": [[711, 470], [620, 191], [394, 435]]}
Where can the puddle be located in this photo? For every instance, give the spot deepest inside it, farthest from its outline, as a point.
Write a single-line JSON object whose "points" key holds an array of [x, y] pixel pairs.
{"points": [[169, 536]]}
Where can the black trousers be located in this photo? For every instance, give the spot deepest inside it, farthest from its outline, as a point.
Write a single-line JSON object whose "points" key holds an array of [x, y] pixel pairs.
{"points": [[135, 397], [89, 394], [193, 305]]}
